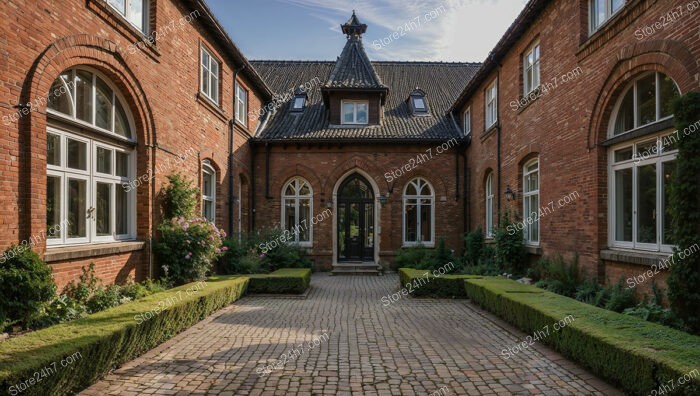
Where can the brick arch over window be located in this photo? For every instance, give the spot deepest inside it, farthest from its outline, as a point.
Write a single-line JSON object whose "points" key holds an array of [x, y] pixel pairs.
{"points": [[436, 181], [665, 56], [354, 163], [298, 170], [65, 53]]}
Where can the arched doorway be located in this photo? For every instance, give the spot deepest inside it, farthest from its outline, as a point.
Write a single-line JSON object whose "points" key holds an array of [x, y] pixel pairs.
{"points": [[356, 231]]}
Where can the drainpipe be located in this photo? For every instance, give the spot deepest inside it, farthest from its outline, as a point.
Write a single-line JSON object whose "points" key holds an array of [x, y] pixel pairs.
{"points": [[268, 150], [251, 221], [231, 176], [498, 132]]}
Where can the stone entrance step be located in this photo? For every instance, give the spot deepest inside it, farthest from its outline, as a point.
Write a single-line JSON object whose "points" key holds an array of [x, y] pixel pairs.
{"points": [[357, 268]]}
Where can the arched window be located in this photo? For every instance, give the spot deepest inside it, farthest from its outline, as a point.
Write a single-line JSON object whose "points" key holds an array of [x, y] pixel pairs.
{"points": [[418, 210], [297, 201], [531, 201], [489, 205], [640, 169], [647, 99], [208, 191], [90, 195]]}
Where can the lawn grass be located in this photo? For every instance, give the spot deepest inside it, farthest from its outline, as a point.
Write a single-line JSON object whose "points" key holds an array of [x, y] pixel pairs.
{"points": [[636, 355]]}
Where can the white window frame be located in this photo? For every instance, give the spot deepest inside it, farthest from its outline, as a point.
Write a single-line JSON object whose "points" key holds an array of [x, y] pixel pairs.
{"points": [[489, 206], [491, 104], [116, 96], [354, 103], [209, 172], [212, 78], [527, 196], [467, 121], [91, 178], [126, 13], [297, 183], [608, 13], [531, 71], [661, 156], [418, 184], [241, 104], [635, 97]]}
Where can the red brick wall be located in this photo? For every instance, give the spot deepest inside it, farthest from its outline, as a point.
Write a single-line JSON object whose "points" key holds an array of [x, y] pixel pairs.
{"points": [[39, 39], [564, 126], [324, 166]]}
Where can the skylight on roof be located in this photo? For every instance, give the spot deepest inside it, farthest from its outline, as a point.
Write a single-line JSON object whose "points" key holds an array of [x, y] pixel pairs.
{"points": [[419, 103], [298, 103]]}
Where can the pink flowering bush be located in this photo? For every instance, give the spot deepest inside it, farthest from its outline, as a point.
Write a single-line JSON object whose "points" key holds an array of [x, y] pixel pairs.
{"points": [[187, 248]]}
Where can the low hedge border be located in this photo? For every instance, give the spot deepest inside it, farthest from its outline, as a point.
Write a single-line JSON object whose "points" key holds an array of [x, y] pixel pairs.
{"points": [[639, 356], [419, 284], [282, 281], [107, 339]]}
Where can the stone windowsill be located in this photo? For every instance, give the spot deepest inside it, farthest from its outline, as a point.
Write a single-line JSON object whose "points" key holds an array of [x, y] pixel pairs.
{"points": [[535, 250], [85, 251], [638, 258]]}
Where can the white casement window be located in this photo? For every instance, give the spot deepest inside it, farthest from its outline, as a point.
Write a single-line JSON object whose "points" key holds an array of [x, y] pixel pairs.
{"points": [[297, 206], [209, 81], [639, 176], [531, 69], [418, 213], [531, 202], [491, 107], [355, 112], [646, 100], [489, 205], [468, 121], [134, 11], [86, 98], [602, 10], [208, 191], [89, 198], [241, 104]]}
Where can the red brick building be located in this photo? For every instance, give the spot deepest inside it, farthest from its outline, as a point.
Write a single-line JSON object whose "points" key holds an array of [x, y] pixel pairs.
{"points": [[99, 103], [102, 99], [569, 119]]}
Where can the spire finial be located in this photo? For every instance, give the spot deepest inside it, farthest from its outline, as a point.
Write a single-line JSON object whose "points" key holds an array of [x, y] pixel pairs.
{"points": [[353, 27]]}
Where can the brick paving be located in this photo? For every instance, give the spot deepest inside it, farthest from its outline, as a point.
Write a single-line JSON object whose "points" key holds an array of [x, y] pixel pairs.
{"points": [[342, 340]]}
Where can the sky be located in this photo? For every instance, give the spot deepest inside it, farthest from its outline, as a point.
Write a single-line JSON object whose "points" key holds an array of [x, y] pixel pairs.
{"points": [[416, 30]]}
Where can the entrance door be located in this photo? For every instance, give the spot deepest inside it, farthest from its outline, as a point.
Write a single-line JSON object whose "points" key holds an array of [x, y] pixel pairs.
{"points": [[355, 220]]}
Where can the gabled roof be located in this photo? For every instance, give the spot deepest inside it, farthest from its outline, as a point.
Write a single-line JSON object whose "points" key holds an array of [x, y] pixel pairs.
{"points": [[441, 82]]}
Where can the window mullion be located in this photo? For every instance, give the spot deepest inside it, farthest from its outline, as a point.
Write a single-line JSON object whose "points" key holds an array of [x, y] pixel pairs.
{"points": [[657, 98], [635, 187]]}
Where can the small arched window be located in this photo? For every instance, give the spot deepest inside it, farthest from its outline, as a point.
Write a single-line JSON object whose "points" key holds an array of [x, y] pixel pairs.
{"points": [[208, 191], [647, 99], [418, 213], [297, 200], [488, 189], [83, 96]]}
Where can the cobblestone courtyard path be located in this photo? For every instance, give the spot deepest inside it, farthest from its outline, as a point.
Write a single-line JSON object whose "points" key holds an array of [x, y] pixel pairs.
{"points": [[341, 339]]}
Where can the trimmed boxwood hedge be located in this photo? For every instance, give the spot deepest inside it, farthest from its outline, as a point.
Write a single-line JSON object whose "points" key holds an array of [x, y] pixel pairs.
{"points": [[109, 338], [638, 356], [443, 286], [282, 281]]}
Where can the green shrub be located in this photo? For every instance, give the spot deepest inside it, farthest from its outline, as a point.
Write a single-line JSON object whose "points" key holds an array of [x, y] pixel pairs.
{"points": [[179, 198], [474, 247], [557, 275], [108, 339], [591, 292], [510, 248], [189, 248], [621, 298], [282, 281], [414, 257], [684, 208], [424, 283], [26, 286], [105, 298], [630, 353], [88, 284], [134, 291]]}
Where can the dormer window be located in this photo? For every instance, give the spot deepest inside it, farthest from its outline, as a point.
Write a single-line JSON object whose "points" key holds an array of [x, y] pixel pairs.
{"points": [[299, 99], [355, 112], [419, 105]]}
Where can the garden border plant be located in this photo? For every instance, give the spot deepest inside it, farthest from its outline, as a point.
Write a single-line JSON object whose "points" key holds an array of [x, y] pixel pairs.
{"points": [[639, 356], [282, 281], [443, 286], [108, 339]]}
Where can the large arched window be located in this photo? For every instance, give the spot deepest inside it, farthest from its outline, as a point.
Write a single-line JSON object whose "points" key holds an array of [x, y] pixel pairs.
{"points": [[640, 169], [297, 201], [90, 196], [531, 201], [208, 191], [488, 189], [418, 213], [647, 99]]}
